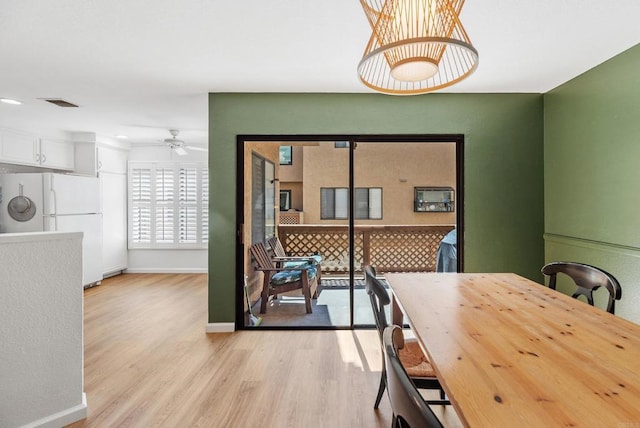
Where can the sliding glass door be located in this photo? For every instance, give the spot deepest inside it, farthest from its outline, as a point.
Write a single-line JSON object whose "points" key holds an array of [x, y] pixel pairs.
{"points": [[328, 206], [404, 205]]}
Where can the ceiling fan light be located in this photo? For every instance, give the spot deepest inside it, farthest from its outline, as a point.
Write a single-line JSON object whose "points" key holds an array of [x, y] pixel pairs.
{"points": [[180, 151]]}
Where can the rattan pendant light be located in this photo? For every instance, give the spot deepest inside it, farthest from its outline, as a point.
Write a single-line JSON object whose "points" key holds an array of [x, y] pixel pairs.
{"points": [[417, 46]]}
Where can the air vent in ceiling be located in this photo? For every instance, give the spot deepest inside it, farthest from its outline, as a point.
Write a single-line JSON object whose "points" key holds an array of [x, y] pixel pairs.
{"points": [[59, 102]]}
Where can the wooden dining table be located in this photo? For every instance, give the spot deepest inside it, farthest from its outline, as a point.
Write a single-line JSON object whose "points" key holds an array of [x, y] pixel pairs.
{"points": [[510, 352]]}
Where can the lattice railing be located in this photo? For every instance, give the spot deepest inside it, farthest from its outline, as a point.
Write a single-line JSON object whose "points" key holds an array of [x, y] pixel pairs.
{"points": [[388, 248], [291, 217]]}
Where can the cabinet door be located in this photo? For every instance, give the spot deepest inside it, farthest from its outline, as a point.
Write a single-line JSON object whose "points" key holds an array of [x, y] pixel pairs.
{"points": [[18, 148], [114, 222], [112, 160], [57, 154]]}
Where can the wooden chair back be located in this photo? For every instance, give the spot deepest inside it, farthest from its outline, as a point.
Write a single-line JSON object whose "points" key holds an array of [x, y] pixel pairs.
{"points": [[276, 246], [408, 406], [380, 300], [261, 256], [587, 279], [378, 296]]}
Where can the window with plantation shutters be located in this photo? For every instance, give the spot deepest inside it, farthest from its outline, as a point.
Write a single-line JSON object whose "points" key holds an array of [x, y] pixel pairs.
{"points": [[168, 205]]}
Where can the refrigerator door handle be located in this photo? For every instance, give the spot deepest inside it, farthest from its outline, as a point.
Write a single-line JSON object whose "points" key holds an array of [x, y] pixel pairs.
{"points": [[55, 203]]}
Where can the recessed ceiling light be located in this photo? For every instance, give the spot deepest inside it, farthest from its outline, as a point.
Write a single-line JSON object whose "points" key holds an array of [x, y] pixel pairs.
{"points": [[10, 101], [122, 137]]}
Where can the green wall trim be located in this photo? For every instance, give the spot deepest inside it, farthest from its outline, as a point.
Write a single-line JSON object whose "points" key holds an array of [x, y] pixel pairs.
{"points": [[594, 245]]}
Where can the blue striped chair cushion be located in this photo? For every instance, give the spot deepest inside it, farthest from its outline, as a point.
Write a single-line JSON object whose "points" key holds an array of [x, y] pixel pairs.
{"points": [[287, 276]]}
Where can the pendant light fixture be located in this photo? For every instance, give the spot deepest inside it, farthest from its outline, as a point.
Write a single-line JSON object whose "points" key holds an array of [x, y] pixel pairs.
{"points": [[417, 46]]}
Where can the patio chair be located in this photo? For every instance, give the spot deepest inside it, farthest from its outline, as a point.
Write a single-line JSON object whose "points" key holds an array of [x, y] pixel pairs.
{"points": [[587, 278], [408, 407], [282, 279], [280, 256], [413, 359]]}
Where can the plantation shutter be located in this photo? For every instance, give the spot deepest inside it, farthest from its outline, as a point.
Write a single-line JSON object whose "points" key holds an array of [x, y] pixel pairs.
{"points": [[140, 179], [169, 205], [188, 205], [205, 205], [164, 205]]}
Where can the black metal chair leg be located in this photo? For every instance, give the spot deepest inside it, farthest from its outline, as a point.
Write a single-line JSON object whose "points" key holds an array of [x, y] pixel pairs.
{"points": [[383, 385]]}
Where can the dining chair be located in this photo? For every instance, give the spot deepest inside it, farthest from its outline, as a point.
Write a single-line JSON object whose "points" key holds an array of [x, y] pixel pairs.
{"points": [[413, 359], [587, 279], [408, 407]]}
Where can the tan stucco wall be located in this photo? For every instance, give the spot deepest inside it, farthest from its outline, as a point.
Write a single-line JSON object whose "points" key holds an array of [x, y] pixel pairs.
{"points": [[296, 193], [292, 172], [396, 167]]}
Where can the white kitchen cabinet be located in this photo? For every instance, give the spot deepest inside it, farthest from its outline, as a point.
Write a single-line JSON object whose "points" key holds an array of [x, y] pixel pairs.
{"points": [[112, 159], [92, 159], [27, 149], [56, 154], [114, 222], [19, 148], [111, 164]]}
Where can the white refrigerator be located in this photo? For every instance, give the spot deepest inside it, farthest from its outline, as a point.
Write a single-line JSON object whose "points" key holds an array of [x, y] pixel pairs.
{"points": [[56, 202]]}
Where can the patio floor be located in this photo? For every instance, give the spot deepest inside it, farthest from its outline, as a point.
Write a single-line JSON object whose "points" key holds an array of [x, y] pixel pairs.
{"points": [[331, 309]]}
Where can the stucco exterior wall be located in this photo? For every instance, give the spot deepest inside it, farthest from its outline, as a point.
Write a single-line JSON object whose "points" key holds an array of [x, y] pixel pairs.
{"points": [[395, 167]]}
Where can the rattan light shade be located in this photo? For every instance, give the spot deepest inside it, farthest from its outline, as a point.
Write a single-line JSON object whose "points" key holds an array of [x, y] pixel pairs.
{"points": [[417, 46]]}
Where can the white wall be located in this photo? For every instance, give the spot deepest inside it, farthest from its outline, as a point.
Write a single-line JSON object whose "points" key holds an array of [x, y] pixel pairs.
{"points": [[41, 342], [166, 261]]}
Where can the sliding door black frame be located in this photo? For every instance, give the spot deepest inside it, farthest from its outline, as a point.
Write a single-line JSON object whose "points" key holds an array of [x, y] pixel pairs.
{"points": [[353, 139]]}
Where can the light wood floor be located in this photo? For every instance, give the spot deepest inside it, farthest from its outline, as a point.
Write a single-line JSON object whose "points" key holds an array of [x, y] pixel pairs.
{"points": [[148, 362]]}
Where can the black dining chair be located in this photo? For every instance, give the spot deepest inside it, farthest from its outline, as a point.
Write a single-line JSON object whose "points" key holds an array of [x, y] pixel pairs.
{"points": [[587, 279], [409, 409], [413, 359]]}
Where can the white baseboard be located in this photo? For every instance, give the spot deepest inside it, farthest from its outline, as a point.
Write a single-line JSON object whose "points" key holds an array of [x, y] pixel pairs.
{"points": [[166, 270], [62, 418], [220, 327]]}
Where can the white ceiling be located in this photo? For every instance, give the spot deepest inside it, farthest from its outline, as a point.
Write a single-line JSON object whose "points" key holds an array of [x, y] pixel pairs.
{"points": [[140, 67]]}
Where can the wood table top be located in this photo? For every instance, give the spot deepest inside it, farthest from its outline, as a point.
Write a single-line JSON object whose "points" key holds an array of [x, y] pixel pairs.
{"points": [[513, 353]]}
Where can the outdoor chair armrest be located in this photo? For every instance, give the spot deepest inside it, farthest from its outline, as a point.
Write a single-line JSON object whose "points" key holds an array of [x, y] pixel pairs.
{"points": [[280, 269], [295, 258]]}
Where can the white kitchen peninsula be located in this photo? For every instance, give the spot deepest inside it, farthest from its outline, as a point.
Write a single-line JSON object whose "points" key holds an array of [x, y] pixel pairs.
{"points": [[41, 301]]}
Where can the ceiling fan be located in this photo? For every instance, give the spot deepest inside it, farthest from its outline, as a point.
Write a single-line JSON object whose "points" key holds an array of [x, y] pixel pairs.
{"points": [[178, 145]]}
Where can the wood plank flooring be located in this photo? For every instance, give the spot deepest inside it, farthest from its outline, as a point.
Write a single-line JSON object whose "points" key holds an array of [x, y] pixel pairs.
{"points": [[149, 363]]}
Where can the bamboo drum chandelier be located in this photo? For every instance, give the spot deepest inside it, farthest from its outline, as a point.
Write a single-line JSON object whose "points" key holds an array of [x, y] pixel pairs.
{"points": [[417, 46]]}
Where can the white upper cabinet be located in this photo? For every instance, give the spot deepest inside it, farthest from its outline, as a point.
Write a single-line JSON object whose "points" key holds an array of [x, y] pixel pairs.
{"points": [[18, 148], [27, 149], [57, 154], [112, 160]]}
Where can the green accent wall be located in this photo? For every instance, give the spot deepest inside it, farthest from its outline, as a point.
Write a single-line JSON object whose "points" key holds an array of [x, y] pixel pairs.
{"points": [[503, 166], [591, 170]]}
